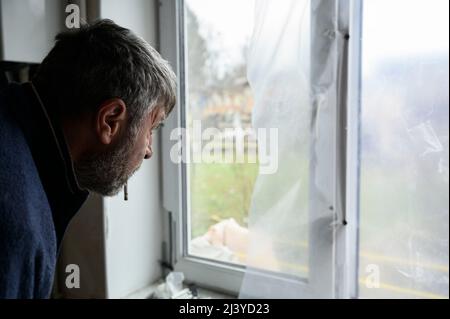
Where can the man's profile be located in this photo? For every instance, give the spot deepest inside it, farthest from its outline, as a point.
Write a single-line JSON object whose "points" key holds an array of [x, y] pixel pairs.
{"points": [[83, 124]]}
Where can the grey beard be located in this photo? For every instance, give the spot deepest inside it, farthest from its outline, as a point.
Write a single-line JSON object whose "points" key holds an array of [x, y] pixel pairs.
{"points": [[106, 173]]}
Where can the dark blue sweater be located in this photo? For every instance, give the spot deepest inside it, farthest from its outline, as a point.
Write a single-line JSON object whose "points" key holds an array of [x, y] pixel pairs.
{"points": [[38, 193]]}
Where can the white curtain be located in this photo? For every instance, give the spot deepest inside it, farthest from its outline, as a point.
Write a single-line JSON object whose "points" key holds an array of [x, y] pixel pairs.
{"points": [[294, 66], [280, 221]]}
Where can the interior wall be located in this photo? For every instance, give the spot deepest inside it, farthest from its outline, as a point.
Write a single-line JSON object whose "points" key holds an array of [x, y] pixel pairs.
{"points": [[28, 28], [84, 246]]}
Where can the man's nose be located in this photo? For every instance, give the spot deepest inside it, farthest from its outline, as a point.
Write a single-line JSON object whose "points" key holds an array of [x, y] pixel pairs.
{"points": [[148, 153]]}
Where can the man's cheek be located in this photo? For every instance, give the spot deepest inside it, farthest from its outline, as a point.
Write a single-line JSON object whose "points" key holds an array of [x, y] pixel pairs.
{"points": [[136, 157]]}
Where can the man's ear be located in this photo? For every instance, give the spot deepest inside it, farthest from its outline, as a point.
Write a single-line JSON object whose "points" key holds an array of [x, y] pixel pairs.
{"points": [[110, 119]]}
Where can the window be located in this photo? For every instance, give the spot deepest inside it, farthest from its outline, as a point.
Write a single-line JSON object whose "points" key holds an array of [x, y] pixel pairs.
{"points": [[208, 203], [404, 212], [218, 97], [363, 190]]}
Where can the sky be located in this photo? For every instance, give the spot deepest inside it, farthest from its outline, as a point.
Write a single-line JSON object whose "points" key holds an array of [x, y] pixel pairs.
{"points": [[233, 19], [392, 28], [404, 28], [231, 23]]}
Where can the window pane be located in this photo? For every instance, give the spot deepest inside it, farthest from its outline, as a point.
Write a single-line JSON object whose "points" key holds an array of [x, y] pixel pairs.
{"points": [[405, 150], [218, 96]]}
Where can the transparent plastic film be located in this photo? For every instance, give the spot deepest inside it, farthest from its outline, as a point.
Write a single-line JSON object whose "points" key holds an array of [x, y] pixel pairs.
{"points": [[291, 215]]}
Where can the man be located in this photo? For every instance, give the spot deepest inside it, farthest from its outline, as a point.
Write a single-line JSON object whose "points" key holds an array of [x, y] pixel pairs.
{"points": [[84, 124]]}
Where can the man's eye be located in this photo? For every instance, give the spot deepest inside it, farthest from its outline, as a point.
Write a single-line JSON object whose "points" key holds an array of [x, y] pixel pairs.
{"points": [[160, 125]]}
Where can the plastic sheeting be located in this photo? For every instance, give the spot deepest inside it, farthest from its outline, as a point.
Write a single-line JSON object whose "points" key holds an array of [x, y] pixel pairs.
{"points": [[404, 215], [291, 217], [294, 222]]}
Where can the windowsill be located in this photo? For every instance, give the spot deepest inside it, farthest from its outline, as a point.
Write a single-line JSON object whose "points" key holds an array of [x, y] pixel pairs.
{"points": [[147, 292]]}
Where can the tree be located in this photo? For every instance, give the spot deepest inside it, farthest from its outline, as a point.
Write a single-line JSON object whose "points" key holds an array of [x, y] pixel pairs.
{"points": [[197, 54]]}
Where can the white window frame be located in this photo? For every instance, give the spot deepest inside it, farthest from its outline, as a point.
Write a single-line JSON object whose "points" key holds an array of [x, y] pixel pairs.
{"points": [[333, 272], [347, 239]]}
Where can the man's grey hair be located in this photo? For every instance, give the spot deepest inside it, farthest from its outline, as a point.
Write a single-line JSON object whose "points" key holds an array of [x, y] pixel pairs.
{"points": [[102, 61]]}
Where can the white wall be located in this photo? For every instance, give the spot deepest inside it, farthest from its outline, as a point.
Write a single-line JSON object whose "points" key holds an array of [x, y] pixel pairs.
{"points": [[28, 27], [84, 245], [137, 15], [134, 228]]}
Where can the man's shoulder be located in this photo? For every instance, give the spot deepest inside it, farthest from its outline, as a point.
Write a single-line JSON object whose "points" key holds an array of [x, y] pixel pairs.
{"points": [[15, 157], [21, 190]]}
